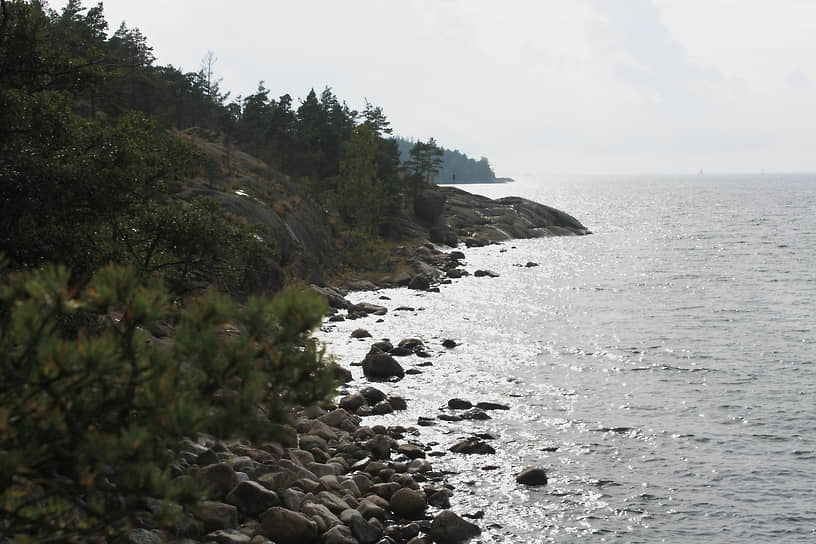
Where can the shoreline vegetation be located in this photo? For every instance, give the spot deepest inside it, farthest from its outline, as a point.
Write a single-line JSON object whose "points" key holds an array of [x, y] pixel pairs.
{"points": [[166, 253]]}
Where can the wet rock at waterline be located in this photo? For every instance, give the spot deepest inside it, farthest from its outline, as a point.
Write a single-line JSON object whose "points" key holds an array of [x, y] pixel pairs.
{"points": [[459, 404], [472, 446], [532, 476], [381, 366], [408, 503], [491, 406], [449, 528]]}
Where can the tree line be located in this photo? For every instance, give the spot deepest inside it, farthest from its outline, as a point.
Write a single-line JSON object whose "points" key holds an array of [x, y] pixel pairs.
{"points": [[454, 166], [96, 250], [88, 161]]}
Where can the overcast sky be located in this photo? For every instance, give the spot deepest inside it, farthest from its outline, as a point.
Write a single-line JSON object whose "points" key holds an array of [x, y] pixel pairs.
{"points": [[546, 86]]}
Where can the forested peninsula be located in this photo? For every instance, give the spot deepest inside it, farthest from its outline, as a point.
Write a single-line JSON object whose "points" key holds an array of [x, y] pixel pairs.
{"points": [[158, 238]]}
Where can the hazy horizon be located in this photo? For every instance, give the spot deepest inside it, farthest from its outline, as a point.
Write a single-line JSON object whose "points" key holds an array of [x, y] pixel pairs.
{"points": [[581, 86]]}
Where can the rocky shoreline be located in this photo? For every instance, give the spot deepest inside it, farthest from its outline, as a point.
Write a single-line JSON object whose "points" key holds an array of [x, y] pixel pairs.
{"points": [[331, 478]]}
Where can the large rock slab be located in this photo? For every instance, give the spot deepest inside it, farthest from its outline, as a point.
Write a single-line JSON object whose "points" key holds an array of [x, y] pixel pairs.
{"points": [[479, 220]]}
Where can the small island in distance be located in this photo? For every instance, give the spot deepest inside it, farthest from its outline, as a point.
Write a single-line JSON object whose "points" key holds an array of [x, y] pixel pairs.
{"points": [[456, 167]]}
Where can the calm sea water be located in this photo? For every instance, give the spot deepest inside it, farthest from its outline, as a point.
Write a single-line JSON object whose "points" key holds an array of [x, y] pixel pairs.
{"points": [[663, 370]]}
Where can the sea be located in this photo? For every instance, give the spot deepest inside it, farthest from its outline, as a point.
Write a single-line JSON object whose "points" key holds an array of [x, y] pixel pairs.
{"points": [[662, 369]]}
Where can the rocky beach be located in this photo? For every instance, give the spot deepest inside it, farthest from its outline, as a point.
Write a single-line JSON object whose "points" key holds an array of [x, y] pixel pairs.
{"points": [[342, 474]]}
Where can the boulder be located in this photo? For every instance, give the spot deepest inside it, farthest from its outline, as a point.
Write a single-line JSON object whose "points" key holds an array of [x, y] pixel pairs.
{"points": [[217, 515], [491, 406], [486, 273], [360, 333], [420, 282], [368, 508], [372, 394], [472, 446], [352, 402], [252, 498], [413, 344], [324, 469], [383, 345], [475, 414], [449, 344], [332, 502], [335, 418], [448, 528], [408, 503], [411, 451], [339, 534], [321, 515], [287, 527], [381, 366], [309, 442], [227, 536], [219, 479], [368, 308], [419, 465], [364, 532], [342, 374], [140, 536], [380, 446], [438, 496], [385, 490], [334, 297], [532, 476], [459, 404], [291, 498], [397, 402], [381, 408], [475, 242], [207, 458]]}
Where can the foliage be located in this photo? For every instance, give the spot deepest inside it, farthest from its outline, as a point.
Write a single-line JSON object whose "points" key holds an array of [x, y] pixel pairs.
{"points": [[456, 166], [364, 251], [83, 191], [88, 166], [424, 163], [178, 239], [363, 197], [86, 419]]}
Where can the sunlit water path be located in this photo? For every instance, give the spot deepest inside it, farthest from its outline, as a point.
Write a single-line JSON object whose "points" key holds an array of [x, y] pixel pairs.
{"points": [[663, 370]]}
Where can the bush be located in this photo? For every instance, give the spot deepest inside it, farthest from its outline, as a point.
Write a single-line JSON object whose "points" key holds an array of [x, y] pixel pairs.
{"points": [[363, 250], [87, 417]]}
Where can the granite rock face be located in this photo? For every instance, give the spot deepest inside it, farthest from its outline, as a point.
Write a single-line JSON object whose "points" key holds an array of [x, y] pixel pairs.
{"points": [[485, 220]]}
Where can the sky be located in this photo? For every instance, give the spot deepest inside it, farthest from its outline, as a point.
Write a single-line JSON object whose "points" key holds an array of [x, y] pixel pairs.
{"points": [[536, 86]]}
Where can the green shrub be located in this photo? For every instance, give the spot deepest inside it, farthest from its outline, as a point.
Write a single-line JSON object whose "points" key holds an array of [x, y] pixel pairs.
{"points": [[364, 251], [87, 418]]}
